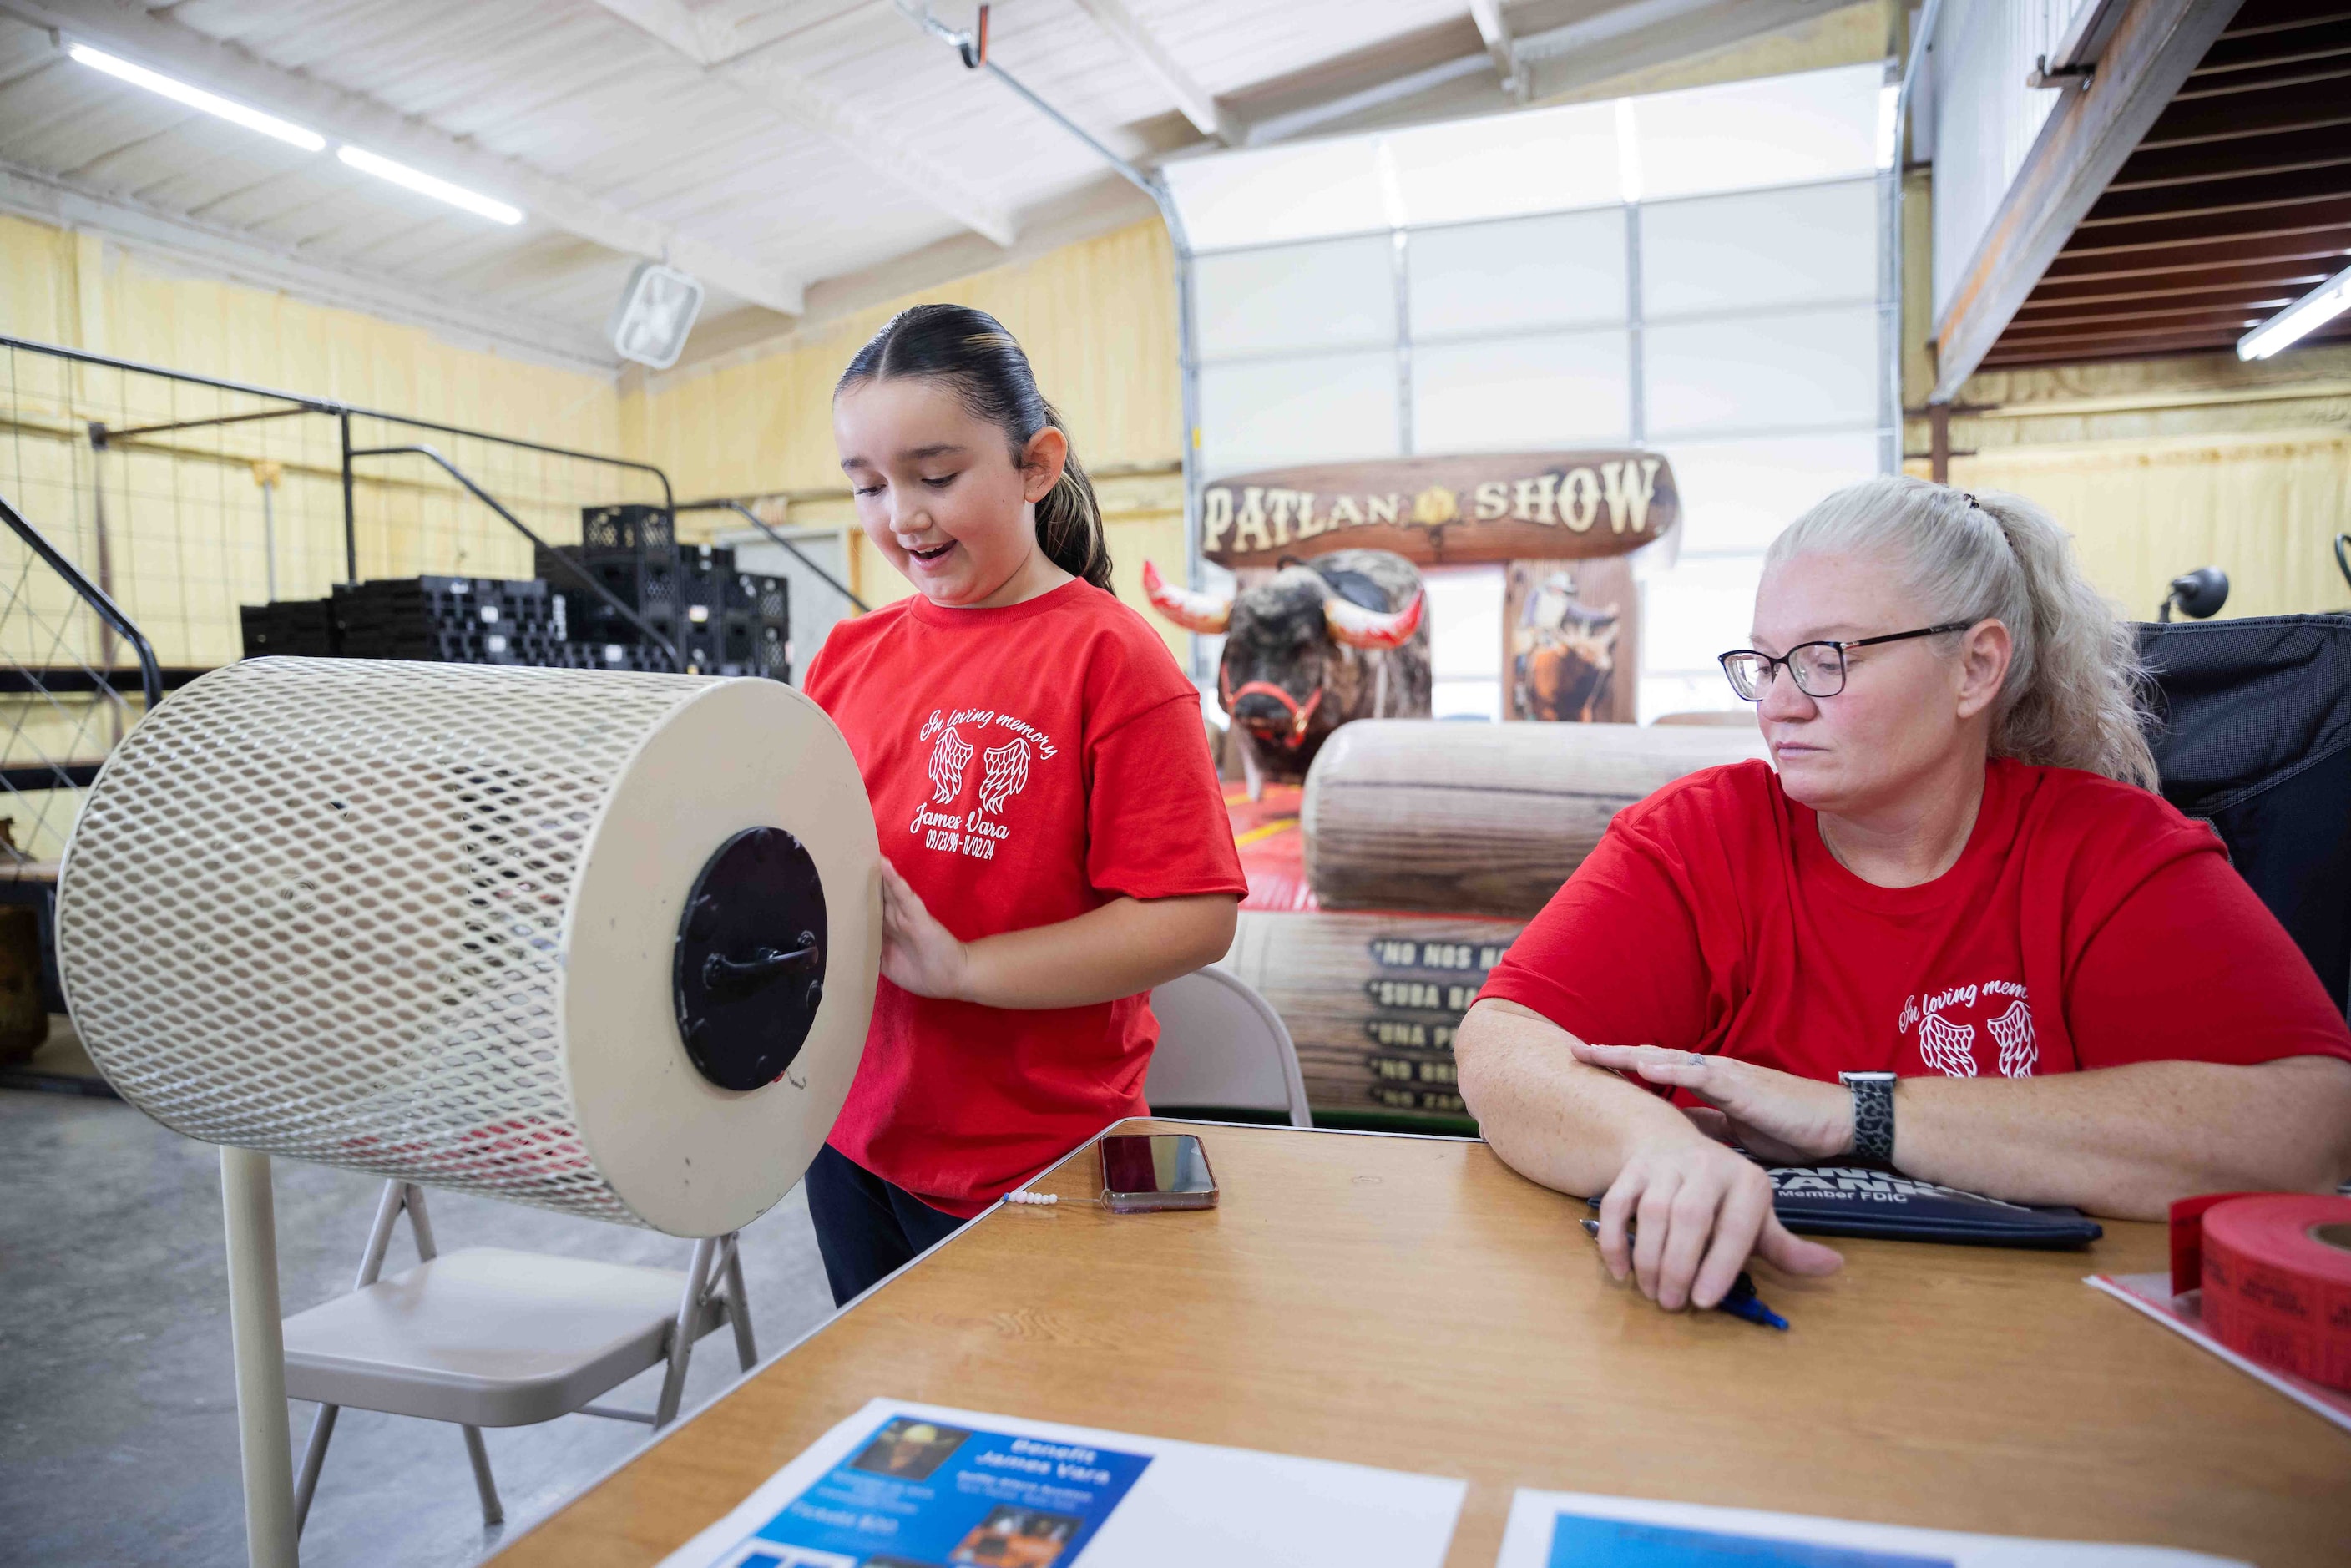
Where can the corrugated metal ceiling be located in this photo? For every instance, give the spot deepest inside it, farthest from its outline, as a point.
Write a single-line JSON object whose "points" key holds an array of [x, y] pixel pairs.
{"points": [[577, 92]]}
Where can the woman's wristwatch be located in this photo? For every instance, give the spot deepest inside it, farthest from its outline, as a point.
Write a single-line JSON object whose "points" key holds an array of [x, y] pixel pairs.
{"points": [[1873, 1115]]}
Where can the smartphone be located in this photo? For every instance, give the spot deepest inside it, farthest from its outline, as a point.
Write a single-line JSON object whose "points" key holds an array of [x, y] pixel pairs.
{"points": [[1160, 1170]]}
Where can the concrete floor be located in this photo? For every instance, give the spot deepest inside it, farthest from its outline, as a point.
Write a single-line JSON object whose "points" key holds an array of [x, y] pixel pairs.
{"points": [[118, 1413]]}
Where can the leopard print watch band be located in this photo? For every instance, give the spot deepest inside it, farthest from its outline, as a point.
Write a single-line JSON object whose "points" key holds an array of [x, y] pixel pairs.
{"points": [[1873, 1115]]}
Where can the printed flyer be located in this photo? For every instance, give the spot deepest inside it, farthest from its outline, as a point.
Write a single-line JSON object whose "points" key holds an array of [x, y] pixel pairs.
{"points": [[908, 1485], [1582, 1530], [920, 1492]]}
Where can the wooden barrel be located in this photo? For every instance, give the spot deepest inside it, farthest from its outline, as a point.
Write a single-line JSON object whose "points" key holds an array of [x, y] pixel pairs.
{"points": [[1481, 818], [1371, 1000]]}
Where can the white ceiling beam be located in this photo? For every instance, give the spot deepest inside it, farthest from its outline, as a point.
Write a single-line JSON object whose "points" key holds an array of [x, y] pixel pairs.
{"points": [[1645, 33], [671, 21], [1199, 104], [1495, 29], [1618, 21], [191, 56], [760, 75], [218, 251], [1299, 121]]}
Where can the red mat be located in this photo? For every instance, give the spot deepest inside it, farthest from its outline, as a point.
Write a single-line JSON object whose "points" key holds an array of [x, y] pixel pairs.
{"points": [[1273, 850]]}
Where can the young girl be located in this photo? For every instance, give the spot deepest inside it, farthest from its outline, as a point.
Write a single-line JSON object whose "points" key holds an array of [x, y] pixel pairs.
{"points": [[1055, 840]]}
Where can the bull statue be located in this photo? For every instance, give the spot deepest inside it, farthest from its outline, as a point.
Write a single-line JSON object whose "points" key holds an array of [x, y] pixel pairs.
{"points": [[1341, 636]]}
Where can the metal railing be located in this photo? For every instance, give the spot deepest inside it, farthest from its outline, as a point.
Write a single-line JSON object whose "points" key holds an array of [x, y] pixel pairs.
{"points": [[43, 789], [545, 552], [176, 497], [798, 554]]}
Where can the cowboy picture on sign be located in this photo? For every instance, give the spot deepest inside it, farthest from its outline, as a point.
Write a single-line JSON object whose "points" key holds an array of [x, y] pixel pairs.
{"points": [[1328, 620]]}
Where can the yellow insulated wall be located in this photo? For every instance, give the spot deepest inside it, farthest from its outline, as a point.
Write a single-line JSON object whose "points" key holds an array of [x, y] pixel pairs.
{"points": [[182, 511], [2264, 511], [1098, 321]]}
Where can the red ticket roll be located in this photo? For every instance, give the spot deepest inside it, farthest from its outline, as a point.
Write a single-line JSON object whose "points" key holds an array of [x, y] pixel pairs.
{"points": [[2277, 1283]]}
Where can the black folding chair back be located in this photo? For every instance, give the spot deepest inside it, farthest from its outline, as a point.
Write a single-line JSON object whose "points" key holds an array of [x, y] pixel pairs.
{"points": [[2255, 738]]}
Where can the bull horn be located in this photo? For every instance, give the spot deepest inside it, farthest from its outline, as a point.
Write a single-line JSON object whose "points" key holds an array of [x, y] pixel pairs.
{"points": [[1360, 627], [1192, 612]]}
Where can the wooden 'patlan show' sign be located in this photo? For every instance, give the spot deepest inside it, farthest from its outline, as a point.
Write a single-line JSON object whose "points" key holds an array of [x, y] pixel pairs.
{"points": [[1444, 511]]}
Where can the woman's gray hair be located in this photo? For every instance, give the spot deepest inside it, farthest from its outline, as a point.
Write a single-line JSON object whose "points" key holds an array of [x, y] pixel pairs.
{"points": [[2075, 695]]}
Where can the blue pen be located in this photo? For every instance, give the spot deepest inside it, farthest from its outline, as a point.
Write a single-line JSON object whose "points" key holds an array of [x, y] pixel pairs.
{"points": [[1740, 1301]]}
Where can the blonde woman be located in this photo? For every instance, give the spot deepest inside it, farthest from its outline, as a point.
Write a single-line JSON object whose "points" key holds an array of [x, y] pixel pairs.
{"points": [[1956, 931]]}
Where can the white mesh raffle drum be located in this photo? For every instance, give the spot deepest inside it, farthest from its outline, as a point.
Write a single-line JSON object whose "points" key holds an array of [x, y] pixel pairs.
{"points": [[599, 942]]}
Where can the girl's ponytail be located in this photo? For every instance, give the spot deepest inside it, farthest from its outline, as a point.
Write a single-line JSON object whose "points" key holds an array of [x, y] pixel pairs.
{"points": [[970, 351], [1070, 520]]}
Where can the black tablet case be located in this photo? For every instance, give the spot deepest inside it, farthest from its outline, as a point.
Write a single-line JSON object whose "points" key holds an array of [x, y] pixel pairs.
{"points": [[1854, 1200]]}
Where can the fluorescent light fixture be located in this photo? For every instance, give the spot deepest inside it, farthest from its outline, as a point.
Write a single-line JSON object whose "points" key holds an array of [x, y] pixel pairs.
{"points": [[197, 98], [1889, 126], [426, 184], [2299, 319], [655, 314]]}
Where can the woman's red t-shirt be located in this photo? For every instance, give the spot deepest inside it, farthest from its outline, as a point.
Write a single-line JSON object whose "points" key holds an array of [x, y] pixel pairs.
{"points": [[2087, 924], [1026, 764]]}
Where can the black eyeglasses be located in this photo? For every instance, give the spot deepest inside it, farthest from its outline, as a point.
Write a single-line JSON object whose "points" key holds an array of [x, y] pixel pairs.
{"points": [[1817, 668]]}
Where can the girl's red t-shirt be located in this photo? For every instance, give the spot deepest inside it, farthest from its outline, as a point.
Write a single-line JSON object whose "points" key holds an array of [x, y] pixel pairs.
{"points": [[2087, 924], [1026, 764]]}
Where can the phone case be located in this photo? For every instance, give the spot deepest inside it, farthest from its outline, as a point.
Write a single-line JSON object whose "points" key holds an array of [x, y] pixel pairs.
{"points": [[1135, 1199]]}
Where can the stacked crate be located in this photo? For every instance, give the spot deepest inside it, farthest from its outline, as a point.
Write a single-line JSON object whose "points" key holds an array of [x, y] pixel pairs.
{"points": [[298, 628], [759, 627], [450, 619], [721, 621]]}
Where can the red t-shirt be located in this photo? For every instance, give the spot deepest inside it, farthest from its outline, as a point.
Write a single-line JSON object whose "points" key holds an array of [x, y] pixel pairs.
{"points": [[1026, 764], [2087, 924]]}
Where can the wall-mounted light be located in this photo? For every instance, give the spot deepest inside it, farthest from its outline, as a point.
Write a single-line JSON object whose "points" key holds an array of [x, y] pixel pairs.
{"points": [[2299, 319], [425, 184], [197, 98], [2197, 595], [655, 314]]}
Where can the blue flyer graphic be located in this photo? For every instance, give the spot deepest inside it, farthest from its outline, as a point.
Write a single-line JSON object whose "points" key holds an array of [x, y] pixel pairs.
{"points": [[1582, 1541], [919, 1493]]}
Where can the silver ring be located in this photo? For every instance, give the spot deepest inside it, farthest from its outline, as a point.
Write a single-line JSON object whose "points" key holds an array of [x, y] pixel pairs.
{"points": [[1697, 1060]]}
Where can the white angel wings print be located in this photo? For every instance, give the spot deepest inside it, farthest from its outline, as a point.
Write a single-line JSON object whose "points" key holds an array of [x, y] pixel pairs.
{"points": [[1949, 1048], [2019, 1054], [1005, 774], [949, 758]]}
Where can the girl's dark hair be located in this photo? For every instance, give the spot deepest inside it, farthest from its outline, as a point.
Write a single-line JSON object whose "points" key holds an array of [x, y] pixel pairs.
{"points": [[970, 351]]}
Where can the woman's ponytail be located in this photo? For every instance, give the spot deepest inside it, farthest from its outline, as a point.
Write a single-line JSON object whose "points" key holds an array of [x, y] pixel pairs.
{"points": [[970, 351], [2082, 702], [2076, 691]]}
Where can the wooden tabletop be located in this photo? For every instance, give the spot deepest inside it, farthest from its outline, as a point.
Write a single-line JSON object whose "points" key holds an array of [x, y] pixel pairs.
{"points": [[1413, 1303]]}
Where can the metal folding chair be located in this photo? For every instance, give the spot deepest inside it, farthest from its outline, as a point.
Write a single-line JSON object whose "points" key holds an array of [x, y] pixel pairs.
{"points": [[1222, 1046], [491, 1337]]}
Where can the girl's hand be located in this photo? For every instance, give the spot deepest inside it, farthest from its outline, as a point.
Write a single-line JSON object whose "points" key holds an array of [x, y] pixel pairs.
{"points": [[1774, 1115], [918, 954], [1696, 1211]]}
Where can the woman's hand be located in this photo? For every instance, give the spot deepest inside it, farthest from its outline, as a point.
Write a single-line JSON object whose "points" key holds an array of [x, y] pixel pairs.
{"points": [[1681, 1213], [1774, 1115], [918, 954], [1685, 1214]]}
